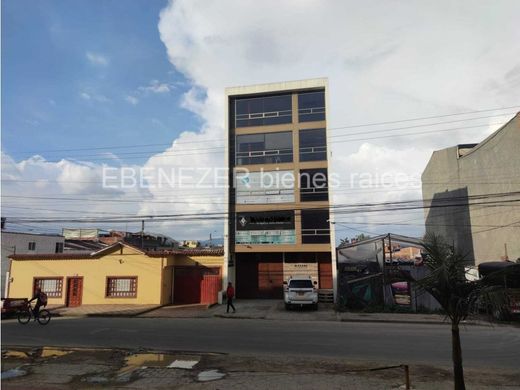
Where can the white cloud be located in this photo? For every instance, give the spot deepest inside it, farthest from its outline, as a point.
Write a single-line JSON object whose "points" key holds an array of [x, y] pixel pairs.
{"points": [[94, 97], [97, 59], [385, 61], [132, 100], [155, 87]]}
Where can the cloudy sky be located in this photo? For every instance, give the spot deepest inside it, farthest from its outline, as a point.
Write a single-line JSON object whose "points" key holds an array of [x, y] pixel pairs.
{"points": [[88, 86]]}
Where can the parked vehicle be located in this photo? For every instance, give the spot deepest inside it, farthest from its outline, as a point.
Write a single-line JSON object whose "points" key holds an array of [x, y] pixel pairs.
{"points": [[301, 291], [510, 281], [11, 306]]}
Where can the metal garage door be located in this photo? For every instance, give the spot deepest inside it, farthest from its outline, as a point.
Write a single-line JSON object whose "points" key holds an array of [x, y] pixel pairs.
{"points": [[196, 285]]}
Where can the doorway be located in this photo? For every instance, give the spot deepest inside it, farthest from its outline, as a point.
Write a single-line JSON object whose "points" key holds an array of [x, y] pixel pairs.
{"points": [[74, 291]]}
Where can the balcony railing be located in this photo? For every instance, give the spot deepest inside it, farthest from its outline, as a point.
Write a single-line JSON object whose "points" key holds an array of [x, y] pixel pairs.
{"points": [[264, 156]]}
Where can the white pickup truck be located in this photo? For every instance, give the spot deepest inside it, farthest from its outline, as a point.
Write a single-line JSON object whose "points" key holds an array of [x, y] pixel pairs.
{"points": [[301, 291]]}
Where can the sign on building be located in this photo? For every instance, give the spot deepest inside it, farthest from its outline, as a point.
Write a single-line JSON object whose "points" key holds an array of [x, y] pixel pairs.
{"points": [[264, 187], [269, 227]]}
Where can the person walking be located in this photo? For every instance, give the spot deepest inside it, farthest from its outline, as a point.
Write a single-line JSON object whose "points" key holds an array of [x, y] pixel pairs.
{"points": [[230, 294]]}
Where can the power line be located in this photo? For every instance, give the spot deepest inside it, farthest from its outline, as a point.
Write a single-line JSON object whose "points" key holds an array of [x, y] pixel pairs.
{"points": [[336, 209], [330, 128], [218, 149]]}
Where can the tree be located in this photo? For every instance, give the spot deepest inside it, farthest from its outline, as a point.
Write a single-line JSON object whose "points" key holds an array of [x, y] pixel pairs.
{"points": [[459, 297], [358, 238]]}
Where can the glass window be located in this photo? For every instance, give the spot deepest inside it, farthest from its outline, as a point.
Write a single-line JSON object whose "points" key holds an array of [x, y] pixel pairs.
{"points": [[313, 145], [311, 106], [50, 286], [122, 287], [264, 110], [315, 227], [313, 185], [59, 247], [301, 284], [267, 148]]}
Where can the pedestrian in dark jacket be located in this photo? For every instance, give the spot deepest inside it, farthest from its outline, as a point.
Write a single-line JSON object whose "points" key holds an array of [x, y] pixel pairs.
{"points": [[39, 302], [230, 294]]}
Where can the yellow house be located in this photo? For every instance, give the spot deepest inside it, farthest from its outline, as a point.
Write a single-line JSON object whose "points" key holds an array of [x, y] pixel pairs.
{"points": [[120, 274]]}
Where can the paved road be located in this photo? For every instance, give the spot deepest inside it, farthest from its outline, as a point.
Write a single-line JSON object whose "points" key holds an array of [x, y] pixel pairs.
{"points": [[388, 343]]}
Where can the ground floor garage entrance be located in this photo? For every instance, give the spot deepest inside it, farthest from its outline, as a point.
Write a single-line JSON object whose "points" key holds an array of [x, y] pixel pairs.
{"points": [[196, 285], [261, 275]]}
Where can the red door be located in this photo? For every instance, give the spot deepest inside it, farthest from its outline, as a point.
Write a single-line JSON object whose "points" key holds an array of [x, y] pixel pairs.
{"points": [[270, 280], [325, 273], [74, 291], [209, 288], [186, 285]]}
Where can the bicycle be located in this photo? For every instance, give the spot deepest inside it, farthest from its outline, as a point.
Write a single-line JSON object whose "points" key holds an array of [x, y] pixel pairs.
{"points": [[25, 314]]}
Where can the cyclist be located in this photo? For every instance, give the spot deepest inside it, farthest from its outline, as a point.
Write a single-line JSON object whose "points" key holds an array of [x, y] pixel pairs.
{"points": [[41, 300]]}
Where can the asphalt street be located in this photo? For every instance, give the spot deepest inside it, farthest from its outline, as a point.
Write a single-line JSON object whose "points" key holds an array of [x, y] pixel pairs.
{"points": [[497, 346]]}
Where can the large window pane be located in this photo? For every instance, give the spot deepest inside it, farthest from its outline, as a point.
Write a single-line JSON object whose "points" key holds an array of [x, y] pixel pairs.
{"points": [[267, 148], [278, 141], [311, 106], [313, 185], [315, 227], [313, 145], [261, 111]]}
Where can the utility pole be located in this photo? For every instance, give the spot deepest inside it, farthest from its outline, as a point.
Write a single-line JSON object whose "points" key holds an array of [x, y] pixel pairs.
{"points": [[210, 240], [142, 234]]}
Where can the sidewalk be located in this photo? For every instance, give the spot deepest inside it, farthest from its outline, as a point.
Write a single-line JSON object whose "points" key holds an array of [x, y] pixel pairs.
{"points": [[275, 310], [256, 309], [102, 310]]}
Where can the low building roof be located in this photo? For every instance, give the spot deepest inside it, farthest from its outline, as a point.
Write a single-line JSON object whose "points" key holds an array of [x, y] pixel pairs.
{"points": [[101, 252]]}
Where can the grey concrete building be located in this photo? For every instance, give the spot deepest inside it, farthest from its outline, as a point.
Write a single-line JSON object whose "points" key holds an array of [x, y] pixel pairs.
{"points": [[471, 195], [22, 243]]}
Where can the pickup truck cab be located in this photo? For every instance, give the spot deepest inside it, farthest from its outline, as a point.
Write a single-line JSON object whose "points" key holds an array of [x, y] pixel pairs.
{"points": [[12, 305], [301, 291]]}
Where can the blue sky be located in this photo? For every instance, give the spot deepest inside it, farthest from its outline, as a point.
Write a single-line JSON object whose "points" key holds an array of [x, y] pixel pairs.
{"points": [[97, 74], [80, 74]]}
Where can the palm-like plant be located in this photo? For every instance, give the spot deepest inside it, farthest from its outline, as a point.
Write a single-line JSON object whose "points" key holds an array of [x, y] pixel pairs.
{"points": [[458, 296]]}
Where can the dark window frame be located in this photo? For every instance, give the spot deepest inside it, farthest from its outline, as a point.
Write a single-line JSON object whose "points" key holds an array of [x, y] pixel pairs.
{"points": [[315, 234], [58, 248], [31, 246], [311, 112], [309, 191], [110, 291], [58, 293], [313, 152], [262, 116], [262, 156]]}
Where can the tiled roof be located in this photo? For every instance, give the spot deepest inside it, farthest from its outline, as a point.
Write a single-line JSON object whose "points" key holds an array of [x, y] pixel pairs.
{"points": [[188, 252], [71, 255]]}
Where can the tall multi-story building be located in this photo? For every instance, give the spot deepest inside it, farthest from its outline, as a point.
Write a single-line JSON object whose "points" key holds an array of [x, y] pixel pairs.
{"points": [[278, 221]]}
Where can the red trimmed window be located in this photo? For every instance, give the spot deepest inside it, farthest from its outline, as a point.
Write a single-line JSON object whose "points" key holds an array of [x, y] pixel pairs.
{"points": [[122, 287], [50, 286]]}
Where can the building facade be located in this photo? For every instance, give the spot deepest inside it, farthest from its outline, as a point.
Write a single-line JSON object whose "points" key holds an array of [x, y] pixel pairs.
{"points": [[25, 243], [119, 274], [471, 195], [279, 221]]}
